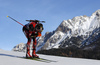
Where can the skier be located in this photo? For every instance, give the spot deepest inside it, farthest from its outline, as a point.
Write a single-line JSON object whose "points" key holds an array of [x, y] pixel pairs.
{"points": [[32, 30]]}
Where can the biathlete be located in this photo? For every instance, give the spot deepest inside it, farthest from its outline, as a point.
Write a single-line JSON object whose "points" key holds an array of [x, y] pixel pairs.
{"points": [[32, 30]]}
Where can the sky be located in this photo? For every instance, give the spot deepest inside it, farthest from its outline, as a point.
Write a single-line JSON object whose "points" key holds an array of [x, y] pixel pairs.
{"points": [[53, 12]]}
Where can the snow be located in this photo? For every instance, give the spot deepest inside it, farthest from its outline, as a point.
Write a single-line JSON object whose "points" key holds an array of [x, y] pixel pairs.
{"points": [[11, 58], [57, 37], [40, 46]]}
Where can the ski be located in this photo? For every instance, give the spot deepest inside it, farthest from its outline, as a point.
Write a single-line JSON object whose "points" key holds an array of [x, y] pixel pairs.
{"points": [[40, 59]]}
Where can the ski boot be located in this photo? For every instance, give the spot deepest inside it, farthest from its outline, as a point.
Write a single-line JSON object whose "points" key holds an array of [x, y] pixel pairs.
{"points": [[34, 54], [28, 53]]}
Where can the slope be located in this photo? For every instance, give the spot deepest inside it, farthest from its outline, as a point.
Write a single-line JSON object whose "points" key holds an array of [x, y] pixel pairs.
{"points": [[11, 58]]}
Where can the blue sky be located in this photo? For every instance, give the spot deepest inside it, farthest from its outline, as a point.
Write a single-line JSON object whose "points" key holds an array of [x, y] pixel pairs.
{"points": [[51, 11]]}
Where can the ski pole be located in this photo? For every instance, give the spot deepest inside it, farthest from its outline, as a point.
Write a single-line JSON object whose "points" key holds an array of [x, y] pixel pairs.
{"points": [[15, 20]]}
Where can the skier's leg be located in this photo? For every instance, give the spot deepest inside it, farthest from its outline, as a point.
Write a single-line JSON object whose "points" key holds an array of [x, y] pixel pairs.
{"points": [[28, 48], [34, 48], [26, 32]]}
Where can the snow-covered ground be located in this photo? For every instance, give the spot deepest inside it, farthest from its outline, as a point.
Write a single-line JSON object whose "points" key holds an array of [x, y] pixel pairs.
{"points": [[11, 58]]}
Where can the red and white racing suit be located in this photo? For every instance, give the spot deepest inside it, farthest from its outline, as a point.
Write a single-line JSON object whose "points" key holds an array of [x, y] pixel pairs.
{"points": [[31, 33]]}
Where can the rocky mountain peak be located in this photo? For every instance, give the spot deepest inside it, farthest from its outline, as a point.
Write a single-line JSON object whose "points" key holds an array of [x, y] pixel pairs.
{"points": [[96, 14]]}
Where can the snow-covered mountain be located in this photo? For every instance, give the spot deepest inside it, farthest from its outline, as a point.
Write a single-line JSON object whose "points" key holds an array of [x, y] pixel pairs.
{"points": [[76, 31], [79, 32], [20, 47]]}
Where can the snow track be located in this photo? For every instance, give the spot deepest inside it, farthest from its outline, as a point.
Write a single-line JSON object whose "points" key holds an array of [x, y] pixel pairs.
{"points": [[11, 58]]}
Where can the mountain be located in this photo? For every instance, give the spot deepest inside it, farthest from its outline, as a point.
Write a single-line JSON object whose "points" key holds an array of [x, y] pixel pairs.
{"points": [[14, 58], [79, 32], [20, 47]]}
